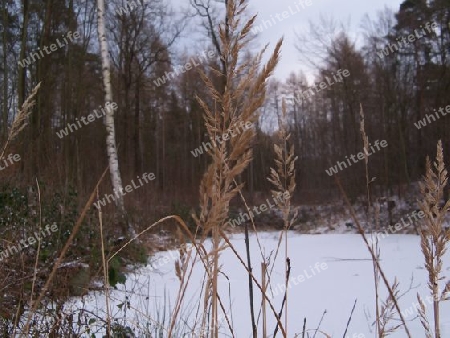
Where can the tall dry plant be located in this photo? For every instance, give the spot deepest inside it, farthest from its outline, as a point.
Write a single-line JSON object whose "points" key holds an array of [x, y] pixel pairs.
{"points": [[283, 179], [433, 237], [234, 104], [384, 312], [378, 313]]}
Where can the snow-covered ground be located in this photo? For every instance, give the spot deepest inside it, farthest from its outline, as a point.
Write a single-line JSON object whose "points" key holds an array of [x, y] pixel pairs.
{"points": [[331, 271]]}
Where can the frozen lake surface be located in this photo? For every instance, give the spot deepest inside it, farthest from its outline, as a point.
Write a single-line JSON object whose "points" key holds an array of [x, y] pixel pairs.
{"points": [[328, 272]]}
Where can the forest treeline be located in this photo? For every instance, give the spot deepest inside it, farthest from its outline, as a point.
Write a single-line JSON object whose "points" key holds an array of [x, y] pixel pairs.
{"points": [[396, 79]]}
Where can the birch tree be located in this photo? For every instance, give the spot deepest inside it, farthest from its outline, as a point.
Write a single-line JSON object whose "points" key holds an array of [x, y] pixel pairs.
{"points": [[111, 147]]}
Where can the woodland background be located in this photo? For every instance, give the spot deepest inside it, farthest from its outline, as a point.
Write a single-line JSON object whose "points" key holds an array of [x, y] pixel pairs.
{"points": [[157, 127]]}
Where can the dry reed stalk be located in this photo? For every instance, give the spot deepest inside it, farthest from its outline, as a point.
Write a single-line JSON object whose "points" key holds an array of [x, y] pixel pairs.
{"points": [[350, 318], [376, 279], [235, 104], [433, 237], [366, 156], [263, 301], [376, 275], [283, 179], [320, 323], [375, 247], [373, 256], [384, 313]]}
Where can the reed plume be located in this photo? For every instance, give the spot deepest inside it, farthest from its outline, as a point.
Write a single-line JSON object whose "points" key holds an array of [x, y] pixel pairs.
{"points": [[235, 104]]}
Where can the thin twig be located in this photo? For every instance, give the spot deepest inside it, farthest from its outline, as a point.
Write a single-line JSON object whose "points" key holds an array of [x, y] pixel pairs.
{"points": [[320, 323], [350, 318]]}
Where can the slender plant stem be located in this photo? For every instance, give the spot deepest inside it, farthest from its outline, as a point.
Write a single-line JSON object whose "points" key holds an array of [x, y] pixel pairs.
{"points": [[350, 318], [374, 257], [263, 305], [288, 273], [250, 282]]}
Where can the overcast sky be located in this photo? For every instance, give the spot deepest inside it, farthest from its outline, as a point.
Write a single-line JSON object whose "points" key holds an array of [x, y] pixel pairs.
{"points": [[347, 11], [350, 12]]}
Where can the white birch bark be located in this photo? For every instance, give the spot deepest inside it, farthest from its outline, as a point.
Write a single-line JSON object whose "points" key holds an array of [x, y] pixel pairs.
{"points": [[111, 148]]}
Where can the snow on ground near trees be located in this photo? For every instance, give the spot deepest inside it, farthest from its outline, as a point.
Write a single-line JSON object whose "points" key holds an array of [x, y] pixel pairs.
{"points": [[348, 276]]}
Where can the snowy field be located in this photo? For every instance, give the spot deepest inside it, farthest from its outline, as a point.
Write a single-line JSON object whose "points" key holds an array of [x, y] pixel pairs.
{"points": [[331, 271]]}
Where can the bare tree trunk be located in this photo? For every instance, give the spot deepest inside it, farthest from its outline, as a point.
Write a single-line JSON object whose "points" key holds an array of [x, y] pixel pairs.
{"points": [[21, 81], [4, 131], [23, 46], [137, 126], [111, 147]]}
